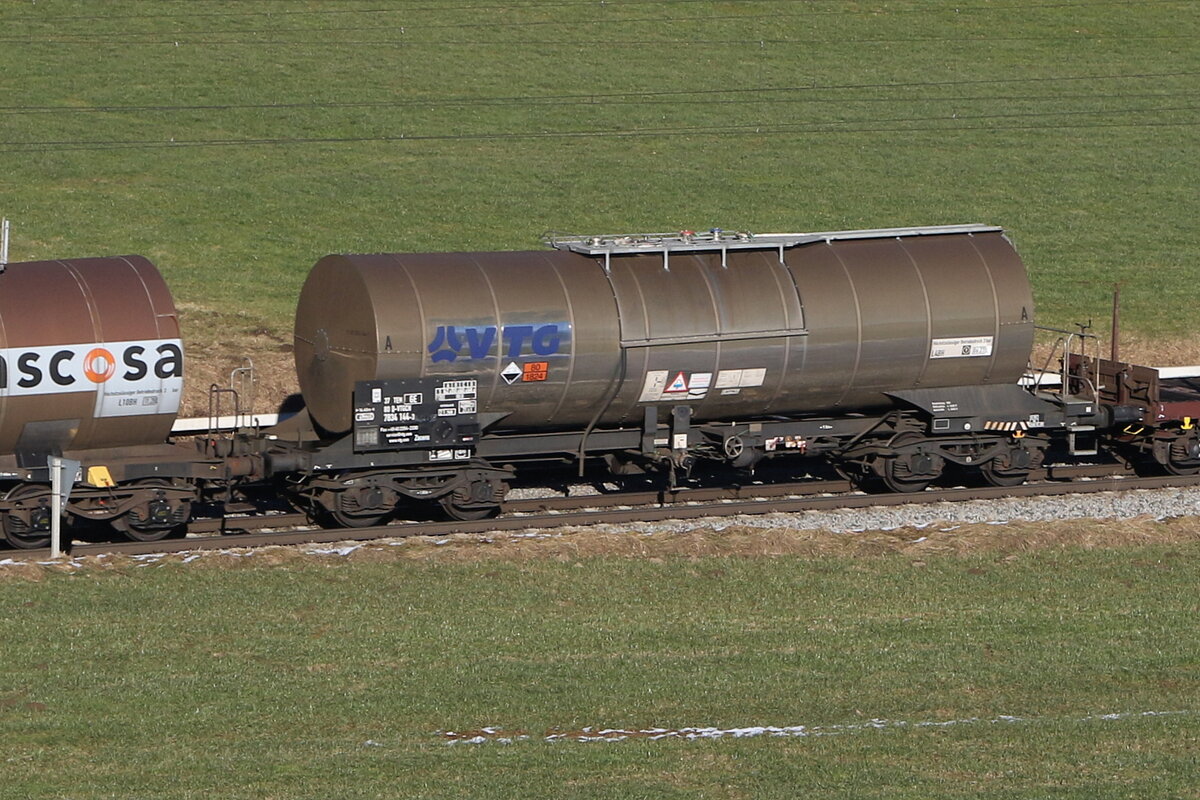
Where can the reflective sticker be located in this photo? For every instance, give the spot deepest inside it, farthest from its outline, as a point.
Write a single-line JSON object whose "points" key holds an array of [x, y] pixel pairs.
{"points": [[450, 454], [961, 347], [753, 377], [456, 390], [673, 385]]}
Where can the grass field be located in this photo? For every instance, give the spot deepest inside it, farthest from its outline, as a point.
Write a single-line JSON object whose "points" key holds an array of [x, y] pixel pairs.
{"points": [[236, 142], [1056, 672]]}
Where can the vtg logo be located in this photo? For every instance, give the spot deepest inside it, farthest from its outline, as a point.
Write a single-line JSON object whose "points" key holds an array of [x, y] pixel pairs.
{"points": [[479, 341]]}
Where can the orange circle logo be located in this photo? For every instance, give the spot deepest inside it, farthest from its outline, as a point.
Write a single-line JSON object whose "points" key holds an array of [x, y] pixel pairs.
{"points": [[99, 365]]}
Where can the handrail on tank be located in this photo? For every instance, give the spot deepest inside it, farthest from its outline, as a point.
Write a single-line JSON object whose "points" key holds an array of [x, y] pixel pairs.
{"points": [[1063, 347], [243, 380], [214, 406], [241, 386], [718, 239]]}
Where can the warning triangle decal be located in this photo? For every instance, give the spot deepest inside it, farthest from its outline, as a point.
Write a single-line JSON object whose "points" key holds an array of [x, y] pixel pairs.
{"points": [[679, 385]]}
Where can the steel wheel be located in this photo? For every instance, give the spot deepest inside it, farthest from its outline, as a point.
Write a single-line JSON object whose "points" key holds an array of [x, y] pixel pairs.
{"points": [[27, 526], [476, 500], [153, 520], [913, 473], [455, 510], [343, 519], [1182, 459], [996, 476]]}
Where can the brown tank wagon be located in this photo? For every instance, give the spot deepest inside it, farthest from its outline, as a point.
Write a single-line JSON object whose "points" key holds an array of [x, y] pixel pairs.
{"points": [[795, 324], [894, 352], [894, 355], [90, 355], [91, 368]]}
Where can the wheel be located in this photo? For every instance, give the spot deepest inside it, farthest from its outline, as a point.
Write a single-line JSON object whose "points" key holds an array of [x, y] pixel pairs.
{"points": [[476, 500], [1183, 458], [153, 518], [997, 476], [455, 510], [342, 519], [360, 505], [910, 472], [27, 525]]}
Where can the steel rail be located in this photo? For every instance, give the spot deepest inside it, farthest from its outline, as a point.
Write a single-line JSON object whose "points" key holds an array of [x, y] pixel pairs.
{"points": [[621, 508]]}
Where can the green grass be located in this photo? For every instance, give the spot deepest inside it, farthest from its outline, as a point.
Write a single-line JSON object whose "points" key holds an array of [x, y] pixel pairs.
{"points": [[1074, 125], [313, 681], [235, 147]]}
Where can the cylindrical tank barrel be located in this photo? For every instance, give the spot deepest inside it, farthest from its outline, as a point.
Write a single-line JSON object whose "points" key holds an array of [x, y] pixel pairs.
{"points": [[561, 340], [90, 356]]}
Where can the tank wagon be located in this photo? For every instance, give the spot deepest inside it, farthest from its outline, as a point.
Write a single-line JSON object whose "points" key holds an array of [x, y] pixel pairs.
{"points": [[892, 352], [436, 379], [91, 368]]}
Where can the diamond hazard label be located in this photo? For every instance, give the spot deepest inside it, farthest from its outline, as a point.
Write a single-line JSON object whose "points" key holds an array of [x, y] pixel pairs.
{"points": [[512, 373], [677, 386]]}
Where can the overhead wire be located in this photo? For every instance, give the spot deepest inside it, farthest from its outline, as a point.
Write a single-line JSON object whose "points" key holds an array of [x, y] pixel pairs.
{"points": [[637, 97], [180, 40], [490, 24], [832, 7], [894, 125]]}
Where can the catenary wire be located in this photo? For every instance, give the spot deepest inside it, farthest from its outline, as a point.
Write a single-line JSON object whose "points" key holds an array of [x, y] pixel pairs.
{"points": [[901, 125], [659, 96]]}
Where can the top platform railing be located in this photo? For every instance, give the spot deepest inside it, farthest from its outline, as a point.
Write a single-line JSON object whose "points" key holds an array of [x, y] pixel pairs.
{"points": [[718, 240]]}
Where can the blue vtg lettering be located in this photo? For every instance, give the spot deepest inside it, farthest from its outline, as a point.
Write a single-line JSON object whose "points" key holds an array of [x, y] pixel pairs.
{"points": [[462, 342]]}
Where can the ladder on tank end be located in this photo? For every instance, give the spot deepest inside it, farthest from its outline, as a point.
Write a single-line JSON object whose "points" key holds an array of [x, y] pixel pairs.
{"points": [[722, 241]]}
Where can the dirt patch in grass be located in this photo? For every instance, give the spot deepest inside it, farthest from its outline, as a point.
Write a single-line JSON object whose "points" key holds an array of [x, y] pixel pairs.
{"points": [[218, 342]]}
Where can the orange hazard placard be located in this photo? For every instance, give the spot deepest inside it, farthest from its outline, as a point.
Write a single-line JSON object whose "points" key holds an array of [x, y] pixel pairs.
{"points": [[535, 371]]}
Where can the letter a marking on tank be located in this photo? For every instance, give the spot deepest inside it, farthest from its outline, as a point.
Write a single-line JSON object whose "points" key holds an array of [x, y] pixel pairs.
{"points": [[677, 386]]}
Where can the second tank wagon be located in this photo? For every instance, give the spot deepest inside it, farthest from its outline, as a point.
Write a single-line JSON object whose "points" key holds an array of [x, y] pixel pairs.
{"points": [[731, 325]]}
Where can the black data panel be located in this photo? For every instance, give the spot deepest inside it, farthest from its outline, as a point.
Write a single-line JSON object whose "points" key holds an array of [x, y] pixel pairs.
{"points": [[416, 414]]}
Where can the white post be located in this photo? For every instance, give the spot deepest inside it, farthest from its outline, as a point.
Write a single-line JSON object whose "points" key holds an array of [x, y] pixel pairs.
{"points": [[60, 490], [55, 464], [3, 245]]}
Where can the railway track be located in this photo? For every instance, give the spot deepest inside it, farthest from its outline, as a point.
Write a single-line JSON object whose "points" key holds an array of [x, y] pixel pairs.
{"points": [[621, 508]]}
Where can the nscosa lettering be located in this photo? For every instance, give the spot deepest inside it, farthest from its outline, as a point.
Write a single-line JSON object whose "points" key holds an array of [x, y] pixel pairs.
{"points": [[84, 367]]}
